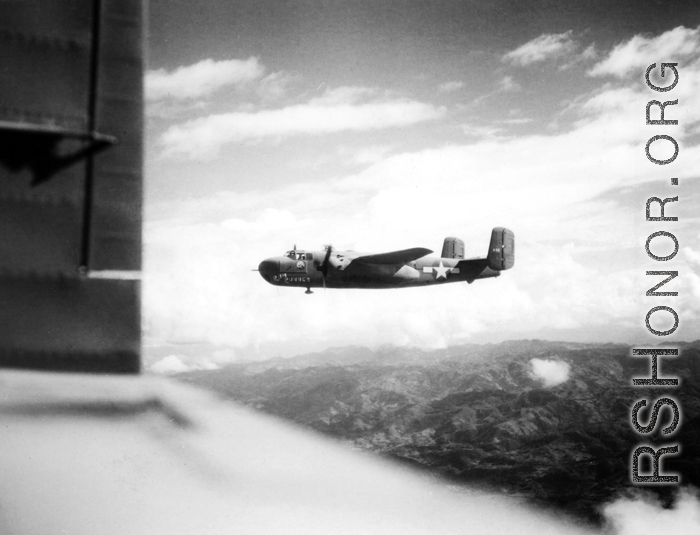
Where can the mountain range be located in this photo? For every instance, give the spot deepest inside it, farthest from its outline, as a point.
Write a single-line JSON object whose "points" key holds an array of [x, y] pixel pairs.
{"points": [[546, 421]]}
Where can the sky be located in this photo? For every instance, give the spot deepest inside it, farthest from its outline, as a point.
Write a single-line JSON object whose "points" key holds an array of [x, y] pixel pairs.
{"points": [[377, 126]]}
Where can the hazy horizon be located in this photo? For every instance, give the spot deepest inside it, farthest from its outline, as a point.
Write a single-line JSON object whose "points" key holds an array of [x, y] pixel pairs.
{"points": [[182, 357]]}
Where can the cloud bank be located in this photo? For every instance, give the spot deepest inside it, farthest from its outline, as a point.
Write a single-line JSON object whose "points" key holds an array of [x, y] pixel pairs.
{"points": [[643, 515], [338, 110]]}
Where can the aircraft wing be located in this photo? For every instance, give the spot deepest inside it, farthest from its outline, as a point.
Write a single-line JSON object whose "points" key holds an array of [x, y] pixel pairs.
{"points": [[394, 257], [71, 121]]}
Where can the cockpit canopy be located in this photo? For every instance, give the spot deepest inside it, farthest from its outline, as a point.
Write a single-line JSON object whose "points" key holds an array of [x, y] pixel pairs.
{"points": [[297, 254]]}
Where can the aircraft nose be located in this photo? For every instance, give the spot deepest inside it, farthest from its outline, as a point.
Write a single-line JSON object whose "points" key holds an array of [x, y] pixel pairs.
{"points": [[268, 268]]}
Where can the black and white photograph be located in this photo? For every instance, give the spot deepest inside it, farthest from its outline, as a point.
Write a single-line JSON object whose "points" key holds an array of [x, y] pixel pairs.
{"points": [[350, 267]]}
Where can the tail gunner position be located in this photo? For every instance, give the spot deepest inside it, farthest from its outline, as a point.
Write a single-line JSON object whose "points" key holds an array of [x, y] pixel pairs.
{"points": [[398, 269]]}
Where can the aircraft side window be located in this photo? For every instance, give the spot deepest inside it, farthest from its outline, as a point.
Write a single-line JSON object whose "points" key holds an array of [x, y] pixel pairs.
{"points": [[309, 256]]}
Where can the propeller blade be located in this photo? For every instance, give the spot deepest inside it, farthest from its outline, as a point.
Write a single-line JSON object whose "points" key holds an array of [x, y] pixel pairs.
{"points": [[323, 268]]}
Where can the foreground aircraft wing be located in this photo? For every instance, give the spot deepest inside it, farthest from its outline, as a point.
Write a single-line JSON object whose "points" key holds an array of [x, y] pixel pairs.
{"points": [[71, 121], [164, 458], [394, 257]]}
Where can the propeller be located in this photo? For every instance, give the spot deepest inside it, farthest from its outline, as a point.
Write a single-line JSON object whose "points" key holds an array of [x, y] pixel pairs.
{"points": [[323, 268]]}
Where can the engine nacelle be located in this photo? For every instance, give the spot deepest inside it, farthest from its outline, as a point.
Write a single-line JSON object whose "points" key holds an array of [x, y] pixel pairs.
{"points": [[452, 248]]}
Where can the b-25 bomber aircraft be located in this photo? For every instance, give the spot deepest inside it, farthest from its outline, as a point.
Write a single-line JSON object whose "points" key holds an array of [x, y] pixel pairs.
{"points": [[397, 269]]}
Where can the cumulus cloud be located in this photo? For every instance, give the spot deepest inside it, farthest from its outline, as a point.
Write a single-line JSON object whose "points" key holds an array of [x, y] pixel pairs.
{"points": [[449, 87], [201, 79], [550, 372], [640, 51], [353, 109], [644, 515], [545, 47]]}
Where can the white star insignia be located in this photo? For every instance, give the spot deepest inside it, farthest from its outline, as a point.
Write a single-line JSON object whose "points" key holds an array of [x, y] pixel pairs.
{"points": [[441, 271]]}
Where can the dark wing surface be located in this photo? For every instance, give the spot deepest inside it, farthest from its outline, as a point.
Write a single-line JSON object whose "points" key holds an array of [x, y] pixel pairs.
{"points": [[70, 184], [471, 268], [394, 257]]}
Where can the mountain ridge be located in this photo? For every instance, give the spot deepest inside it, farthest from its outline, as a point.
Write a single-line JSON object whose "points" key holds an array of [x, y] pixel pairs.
{"points": [[480, 414]]}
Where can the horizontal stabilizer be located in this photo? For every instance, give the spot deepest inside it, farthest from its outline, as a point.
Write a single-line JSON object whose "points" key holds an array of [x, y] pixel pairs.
{"points": [[472, 268], [395, 257]]}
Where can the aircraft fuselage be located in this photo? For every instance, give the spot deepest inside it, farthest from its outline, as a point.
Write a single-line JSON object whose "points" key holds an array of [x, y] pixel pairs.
{"points": [[394, 269], [304, 271]]}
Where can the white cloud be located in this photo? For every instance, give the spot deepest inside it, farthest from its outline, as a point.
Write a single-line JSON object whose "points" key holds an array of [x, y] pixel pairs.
{"points": [[338, 96], [644, 515], [546, 46], [518, 120], [169, 365], [173, 364], [508, 85], [201, 79], [370, 154], [481, 131], [449, 87], [342, 109], [639, 52], [274, 86], [588, 55], [692, 255], [550, 372]]}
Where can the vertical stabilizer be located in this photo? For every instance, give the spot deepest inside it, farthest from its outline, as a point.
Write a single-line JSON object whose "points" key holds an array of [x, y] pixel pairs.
{"points": [[501, 255], [452, 248]]}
